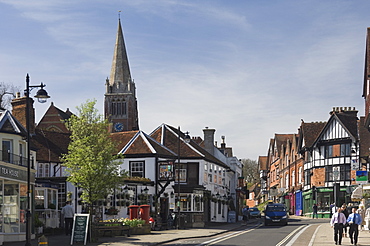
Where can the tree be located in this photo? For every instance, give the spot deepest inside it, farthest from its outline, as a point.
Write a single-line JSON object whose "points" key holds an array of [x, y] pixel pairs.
{"points": [[90, 160], [7, 93], [250, 171]]}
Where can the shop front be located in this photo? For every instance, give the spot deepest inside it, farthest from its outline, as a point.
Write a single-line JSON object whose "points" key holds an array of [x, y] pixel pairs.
{"points": [[298, 203], [13, 201]]}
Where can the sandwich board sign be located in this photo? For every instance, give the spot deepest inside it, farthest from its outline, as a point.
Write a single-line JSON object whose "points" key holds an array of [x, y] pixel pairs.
{"points": [[79, 230]]}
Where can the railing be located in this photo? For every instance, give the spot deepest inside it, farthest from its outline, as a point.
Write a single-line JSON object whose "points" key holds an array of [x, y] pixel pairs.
{"points": [[8, 157]]}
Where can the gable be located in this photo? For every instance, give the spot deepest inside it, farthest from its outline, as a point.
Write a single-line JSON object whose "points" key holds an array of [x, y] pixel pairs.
{"points": [[7, 127], [334, 130], [8, 123]]}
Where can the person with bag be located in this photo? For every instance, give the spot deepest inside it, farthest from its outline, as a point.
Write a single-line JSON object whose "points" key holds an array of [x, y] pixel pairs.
{"points": [[337, 222], [354, 220]]}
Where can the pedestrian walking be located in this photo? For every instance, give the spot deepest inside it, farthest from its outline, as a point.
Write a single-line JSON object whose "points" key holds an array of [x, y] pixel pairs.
{"points": [[354, 220], [337, 222], [314, 211], [361, 211], [346, 213], [68, 213], [367, 218]]}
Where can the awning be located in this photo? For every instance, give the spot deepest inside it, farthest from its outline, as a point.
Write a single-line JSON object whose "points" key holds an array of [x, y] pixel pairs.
{"points": [[357, 194]]}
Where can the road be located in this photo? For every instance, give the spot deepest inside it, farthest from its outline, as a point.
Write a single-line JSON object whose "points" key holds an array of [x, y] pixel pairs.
{"points": [[297, 233]]}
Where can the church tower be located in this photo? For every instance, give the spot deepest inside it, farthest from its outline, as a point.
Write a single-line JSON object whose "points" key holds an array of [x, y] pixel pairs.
{"points": [[120, 104]]}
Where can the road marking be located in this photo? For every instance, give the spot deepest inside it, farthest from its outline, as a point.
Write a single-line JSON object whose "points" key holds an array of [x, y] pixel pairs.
{"points": [[291, 242], [289, 235], [314, 235], [234, 234]]}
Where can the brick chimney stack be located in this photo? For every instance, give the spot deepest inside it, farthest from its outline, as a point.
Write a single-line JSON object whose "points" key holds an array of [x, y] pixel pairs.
{"points": [[344, 110], [209, 139], [19, 111]]}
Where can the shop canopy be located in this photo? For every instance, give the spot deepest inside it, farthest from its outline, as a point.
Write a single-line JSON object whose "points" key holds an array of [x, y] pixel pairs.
{"points": [[357, 194]]}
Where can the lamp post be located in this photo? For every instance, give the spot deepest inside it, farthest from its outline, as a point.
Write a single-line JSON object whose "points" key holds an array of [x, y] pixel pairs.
{"points": [[187, 140], [42, 96]]}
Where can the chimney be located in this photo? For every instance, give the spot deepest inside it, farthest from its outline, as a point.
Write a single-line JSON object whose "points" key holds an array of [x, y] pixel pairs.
{"points": [[19, 112], [344, 110], [223, 144], [209, 139]]}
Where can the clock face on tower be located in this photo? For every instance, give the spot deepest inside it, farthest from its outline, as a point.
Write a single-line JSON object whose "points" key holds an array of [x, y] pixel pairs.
{"points": [[118, 127]]}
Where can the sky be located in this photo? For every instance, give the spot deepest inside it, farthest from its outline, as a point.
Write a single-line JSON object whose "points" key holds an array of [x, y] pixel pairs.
{"points": [[248, 69]]}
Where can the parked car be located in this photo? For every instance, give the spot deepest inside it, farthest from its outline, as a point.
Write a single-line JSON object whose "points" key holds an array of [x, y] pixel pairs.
{"points": [[254, 213], [275, 213]]}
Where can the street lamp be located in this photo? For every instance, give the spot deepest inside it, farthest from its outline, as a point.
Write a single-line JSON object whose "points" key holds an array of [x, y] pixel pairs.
{"points": [[187, 140], [42, 96]]}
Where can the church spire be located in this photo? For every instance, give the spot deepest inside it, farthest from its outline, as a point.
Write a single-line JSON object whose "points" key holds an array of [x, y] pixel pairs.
{"points": [[120, 71], [120, 103]]}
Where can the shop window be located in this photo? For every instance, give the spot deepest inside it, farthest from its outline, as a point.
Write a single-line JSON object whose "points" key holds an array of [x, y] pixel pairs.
{"points": [[197, 203], [39, 199], [14, 215], [185, 203]]}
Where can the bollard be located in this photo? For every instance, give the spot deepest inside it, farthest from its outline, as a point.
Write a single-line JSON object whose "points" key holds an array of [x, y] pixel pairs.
{"points": [[43, 241]]}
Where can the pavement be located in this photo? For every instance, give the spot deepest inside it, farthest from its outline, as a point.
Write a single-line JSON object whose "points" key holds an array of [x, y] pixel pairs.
{"points": [[321, 234]]}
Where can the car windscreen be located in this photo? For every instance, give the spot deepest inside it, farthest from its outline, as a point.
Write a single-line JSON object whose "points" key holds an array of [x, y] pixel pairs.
{"points": [[253, 209], [275, 209]]}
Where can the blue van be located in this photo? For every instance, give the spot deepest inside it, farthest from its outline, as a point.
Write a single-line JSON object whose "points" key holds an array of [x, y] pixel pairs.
{"points": [[276, 213]]}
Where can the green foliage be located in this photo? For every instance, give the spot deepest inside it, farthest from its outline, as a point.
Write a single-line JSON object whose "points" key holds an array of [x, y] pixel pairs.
{"points": [[250, 171], [90, 160]]}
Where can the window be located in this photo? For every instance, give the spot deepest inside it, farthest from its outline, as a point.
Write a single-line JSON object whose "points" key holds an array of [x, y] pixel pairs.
{"points": [[185, 204], [300, 175], [329, 173], [293, 178], [307, 177], [40, 170], [183, 177], [7, 150], [197, 203], [328, 151], [334, 173], [137, 169], [46, 170], [345, 149], [345, 172], [338, 150], [118, 108], [286, 181], [205, 167]]}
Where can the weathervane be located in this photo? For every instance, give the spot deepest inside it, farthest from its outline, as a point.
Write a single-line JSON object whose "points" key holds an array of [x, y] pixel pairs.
{"points": [[119, 14]]}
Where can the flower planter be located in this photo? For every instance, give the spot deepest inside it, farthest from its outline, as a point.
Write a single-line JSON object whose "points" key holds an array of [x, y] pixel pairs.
{"points": [[140, 230]]}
